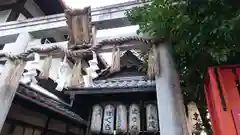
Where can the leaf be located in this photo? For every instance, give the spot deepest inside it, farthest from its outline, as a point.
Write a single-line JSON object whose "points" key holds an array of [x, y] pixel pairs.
{"points": [[205, 33]]}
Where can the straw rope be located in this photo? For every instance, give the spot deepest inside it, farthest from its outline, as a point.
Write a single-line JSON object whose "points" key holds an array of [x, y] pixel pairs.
{"points": [[78, 53]]}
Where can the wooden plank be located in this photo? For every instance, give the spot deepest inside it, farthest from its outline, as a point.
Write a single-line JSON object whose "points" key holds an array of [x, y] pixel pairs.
{"points": [[18, 130], [108, 91], [28, 131], [27, 116], [57, 125], [37, 132], [6, 129], [7, 95]]}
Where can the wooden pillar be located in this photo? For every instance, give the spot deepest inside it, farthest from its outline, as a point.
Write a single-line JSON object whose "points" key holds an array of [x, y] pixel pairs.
{"points": [[7, 95], [172, 118]]}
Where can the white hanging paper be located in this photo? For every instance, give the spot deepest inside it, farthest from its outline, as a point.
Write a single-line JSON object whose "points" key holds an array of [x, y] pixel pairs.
{"points": [[96, 121], [152, 118], [92, 72], [93, 65], [94, 57], [134, 119], [108, 120], [32, 70], [121, 119], [62, 73]]}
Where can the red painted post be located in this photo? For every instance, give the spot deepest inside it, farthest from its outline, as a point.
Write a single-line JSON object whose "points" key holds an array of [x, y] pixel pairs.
{"points": [[222, 90]]}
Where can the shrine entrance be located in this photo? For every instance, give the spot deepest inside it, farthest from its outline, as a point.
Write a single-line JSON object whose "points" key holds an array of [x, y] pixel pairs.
{"points": [[119, 99]]}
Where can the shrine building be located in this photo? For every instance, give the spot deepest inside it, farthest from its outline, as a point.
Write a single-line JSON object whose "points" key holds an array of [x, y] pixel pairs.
{"points": [[56, 81]]}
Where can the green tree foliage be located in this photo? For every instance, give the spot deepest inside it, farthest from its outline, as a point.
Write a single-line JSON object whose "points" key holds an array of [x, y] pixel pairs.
{"points": [[203, 33]]}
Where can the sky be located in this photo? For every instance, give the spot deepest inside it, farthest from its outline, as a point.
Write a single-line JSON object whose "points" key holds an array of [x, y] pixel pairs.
{"points": [[93, 3]]}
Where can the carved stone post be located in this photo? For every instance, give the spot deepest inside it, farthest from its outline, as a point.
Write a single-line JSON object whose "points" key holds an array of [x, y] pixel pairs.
{"points": [[7, 93], [172, 120]]}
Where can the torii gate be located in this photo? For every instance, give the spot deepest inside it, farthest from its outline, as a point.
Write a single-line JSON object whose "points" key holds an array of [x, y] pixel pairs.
{"points": [[169, 99]]}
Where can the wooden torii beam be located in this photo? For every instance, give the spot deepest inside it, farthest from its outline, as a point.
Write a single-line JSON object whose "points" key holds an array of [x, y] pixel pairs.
{"points": [[103, 18], [7, 93]]}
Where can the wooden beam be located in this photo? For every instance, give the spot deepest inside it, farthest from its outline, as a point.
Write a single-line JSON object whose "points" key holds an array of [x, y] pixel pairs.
{"points": [[91, 91], [14, 5], [25, 12], [108, 48], [16, 9], [102, 18], [169, 98], [7, 95], [13, 16]]}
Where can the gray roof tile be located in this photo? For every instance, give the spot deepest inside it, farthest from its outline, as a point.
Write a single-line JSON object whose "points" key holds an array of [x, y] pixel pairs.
{"points": [[25, 91], [122, 82]]}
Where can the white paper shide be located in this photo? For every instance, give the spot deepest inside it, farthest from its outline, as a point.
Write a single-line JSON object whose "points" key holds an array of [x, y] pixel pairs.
{"points": [[96, 121], [121, 119], [151, 118], [62, 73], [108, 120], [134, 119]]}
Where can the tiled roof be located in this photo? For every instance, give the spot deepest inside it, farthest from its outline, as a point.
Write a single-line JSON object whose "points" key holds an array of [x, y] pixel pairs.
{"points": [[116, 85], [27, 93], [124, 82]]}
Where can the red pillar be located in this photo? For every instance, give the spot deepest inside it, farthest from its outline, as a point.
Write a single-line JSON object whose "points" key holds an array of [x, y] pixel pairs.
{"points": [[223, 99]]}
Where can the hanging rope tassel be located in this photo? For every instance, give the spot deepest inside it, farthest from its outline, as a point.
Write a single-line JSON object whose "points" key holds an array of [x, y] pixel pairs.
{"points": [[156, 61], [153, 63], [46, 67], [150, 71], [115, 66], [13, 79], [113, 58], [77, 77]]}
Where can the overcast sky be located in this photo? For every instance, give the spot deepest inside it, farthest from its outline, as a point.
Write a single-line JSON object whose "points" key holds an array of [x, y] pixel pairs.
{"points": [[93, 3]]}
